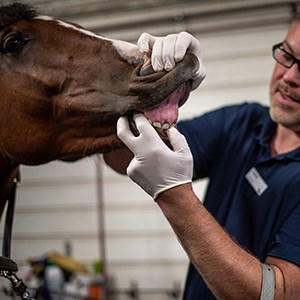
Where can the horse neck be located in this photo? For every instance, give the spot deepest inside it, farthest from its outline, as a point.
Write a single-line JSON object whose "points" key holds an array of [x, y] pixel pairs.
{"points": [[8, 173]]}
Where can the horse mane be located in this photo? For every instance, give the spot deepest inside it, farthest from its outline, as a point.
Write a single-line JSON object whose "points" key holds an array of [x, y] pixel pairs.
{"points": [[10, 14]]}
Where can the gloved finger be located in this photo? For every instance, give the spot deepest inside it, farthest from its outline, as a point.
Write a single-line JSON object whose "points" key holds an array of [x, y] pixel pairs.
{"points": [[153, 47], [134, 143], [124, 133], [157, 55], [178, 141], [131, 169], [186, 42], [148, 135], [168, 49], [144, 127], [145, 42], [183, 43]]}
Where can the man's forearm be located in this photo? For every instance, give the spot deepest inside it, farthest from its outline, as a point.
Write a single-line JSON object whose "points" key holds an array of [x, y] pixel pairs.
{"points": [[229, 271]]}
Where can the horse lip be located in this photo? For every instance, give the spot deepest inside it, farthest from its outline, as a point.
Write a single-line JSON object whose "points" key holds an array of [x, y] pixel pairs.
{"points": [[147, 70], [188, 65], [146, 75], [156, 87]]}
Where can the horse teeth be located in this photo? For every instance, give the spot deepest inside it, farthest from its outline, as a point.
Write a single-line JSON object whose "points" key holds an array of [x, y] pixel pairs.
{"points": [[166, 126], [156, 124]]}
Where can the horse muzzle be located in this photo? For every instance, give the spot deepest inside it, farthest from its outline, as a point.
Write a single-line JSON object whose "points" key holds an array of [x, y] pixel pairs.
{"points": [[162, 93]]}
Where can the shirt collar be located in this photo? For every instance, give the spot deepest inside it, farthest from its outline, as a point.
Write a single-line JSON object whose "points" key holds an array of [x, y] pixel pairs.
{"points": [[264, 132]]}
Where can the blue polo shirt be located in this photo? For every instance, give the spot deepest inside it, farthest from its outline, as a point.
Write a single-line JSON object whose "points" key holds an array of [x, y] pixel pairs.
{"points": [[262, 211]]}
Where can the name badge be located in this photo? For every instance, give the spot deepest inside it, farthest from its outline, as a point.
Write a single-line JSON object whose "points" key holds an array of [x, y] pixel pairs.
{"points": [[256, 181]]}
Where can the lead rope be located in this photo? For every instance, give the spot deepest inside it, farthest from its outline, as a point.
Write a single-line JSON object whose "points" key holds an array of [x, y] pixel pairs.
{"points": [[8, 267]]}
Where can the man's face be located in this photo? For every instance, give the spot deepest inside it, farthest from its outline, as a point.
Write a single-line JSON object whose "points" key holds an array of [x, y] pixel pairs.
{"points": [[285, 85]]}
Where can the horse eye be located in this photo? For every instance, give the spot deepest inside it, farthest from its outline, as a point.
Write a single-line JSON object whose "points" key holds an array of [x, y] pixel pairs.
{"points": [[13, 44]]}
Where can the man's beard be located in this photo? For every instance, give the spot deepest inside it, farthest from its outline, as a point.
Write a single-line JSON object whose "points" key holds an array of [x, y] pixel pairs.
{"points": [[287, 116]]}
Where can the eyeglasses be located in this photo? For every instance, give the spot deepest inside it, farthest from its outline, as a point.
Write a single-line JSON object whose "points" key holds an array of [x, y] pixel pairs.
{"points": [[283, 57]]}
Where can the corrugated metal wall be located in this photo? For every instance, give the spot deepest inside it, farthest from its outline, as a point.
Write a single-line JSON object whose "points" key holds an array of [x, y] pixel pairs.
{"points": [[59, 203]]}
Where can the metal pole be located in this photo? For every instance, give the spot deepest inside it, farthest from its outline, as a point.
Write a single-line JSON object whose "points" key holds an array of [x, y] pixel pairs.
{"points": [[101, 224]]}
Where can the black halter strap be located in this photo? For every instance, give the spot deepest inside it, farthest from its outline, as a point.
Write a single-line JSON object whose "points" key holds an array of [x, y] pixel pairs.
{"points": [[6, 263], [6, 246], [8, 267]]}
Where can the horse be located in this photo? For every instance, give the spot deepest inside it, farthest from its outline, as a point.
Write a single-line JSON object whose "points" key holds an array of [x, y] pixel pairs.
{"points": [[63, 89]]}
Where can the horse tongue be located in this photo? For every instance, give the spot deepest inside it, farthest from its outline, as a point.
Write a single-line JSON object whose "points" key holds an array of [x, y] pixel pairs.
{"points": [[166, 113]]}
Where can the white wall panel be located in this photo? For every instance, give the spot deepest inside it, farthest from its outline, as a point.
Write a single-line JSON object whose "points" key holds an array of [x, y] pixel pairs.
{"points": [[53, 195], [135, 220], [144, 248], [43, 223], [151, 276]]}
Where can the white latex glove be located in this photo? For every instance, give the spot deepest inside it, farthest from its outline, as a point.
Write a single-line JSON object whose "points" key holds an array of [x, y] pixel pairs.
{"points": [[166, 51], [155, 167]]}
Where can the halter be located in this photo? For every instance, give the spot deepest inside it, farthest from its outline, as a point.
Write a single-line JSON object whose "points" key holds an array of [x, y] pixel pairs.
{"points": [[8, 267]]}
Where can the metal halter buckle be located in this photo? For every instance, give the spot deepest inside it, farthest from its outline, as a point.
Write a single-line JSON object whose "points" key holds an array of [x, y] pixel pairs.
{"points": [[17, 284]]}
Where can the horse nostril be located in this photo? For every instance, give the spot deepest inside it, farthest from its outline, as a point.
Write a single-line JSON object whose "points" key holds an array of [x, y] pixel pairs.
{"points": [[146, 70]]}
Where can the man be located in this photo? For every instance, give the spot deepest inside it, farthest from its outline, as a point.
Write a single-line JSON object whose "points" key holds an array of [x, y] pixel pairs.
{"points": [[244, 243]]}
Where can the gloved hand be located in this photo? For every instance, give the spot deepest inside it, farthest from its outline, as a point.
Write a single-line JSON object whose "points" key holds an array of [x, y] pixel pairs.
{"points": [[155, 167], [166, 51]]}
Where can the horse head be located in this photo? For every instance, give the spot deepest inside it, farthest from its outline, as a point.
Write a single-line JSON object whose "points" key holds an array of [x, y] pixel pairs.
{"points": [[63, 88]]}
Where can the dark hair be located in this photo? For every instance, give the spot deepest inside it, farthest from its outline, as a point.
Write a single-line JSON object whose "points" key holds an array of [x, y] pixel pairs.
{"points": [[297, 12], [10, 14]]}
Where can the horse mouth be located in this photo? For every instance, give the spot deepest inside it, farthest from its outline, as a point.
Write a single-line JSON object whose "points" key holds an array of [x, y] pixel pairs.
{"points": [[164, 114]]}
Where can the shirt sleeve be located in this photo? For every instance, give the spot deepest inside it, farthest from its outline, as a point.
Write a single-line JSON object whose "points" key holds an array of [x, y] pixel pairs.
{"points": [[286, 244]]}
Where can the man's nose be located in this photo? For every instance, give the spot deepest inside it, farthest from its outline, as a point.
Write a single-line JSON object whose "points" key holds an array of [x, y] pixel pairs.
{"points": [[292, 75]]}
